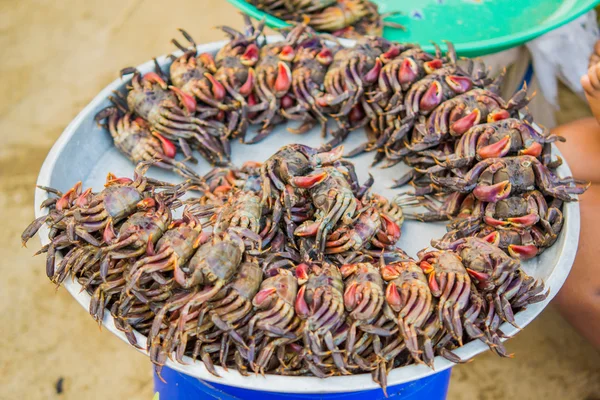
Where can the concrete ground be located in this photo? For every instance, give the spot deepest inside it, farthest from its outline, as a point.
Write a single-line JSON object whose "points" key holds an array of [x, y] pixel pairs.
{"points": [[55, 57]]}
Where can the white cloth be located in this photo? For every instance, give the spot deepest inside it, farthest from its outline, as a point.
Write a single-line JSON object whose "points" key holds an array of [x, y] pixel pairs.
{"points": [[563, 54]]}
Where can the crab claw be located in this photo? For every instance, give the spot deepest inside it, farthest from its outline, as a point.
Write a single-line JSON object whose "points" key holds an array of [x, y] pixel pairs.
{"points": [[465, 123], [393, 297], [218, 90], [325, 56], [208, 61], [113, 180], [302, 273], [495, 150], [460, 84], [497, 115], [327, 157], [494, 222], [263, 295], [389, 55], [408, 71], [432, 65], [66, 198], [392, 229], [432, 97], [433, 285], [287, 102], [109, 232], [153, 77], [308, 228], [347, 269], [168, 147], [284, 78], [250, 56], [522, 252], [287, 53], [188, 101], [308, 181], [373, 74], [146, 203], [82, 200], [525, 221], [493, 238], [426, 267], [357, 113], [350, 296], [247, 87], [389, 272], [534, 150], [479, 276], [300, 305], [493, 193]]}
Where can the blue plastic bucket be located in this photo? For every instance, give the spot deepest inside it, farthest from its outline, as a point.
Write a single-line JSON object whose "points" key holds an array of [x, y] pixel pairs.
{"points": [[179, 386]]}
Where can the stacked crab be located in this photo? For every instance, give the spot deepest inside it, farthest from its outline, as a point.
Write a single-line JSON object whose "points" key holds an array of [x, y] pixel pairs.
{"points": [[288, 267], [343, 18]]}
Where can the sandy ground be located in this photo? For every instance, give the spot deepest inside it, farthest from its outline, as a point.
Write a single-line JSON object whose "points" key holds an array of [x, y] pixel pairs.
{"points": [[55, 57]]}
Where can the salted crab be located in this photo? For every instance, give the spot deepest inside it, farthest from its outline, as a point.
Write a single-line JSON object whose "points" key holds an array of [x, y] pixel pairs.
{"points": [[494, 179]]}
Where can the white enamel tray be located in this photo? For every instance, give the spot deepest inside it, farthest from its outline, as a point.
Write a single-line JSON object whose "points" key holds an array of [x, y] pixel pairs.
{"points": [[85, 152]]}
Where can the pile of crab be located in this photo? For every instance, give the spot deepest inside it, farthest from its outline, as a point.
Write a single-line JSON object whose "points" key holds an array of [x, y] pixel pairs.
{"points": [[287, 267], [342, 18]]}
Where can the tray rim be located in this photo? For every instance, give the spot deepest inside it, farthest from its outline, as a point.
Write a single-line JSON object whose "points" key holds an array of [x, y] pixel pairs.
{"points": [[292, 384], [471, 49]]}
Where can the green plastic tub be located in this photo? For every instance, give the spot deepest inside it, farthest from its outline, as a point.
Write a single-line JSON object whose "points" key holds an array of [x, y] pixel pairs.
{"points": [[476, 27]]}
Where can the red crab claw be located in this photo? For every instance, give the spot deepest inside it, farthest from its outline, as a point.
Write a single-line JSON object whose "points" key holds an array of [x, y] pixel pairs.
{"points": [[467, 122], [308, 181], [494, 222], [300, 305], [247, 87], [348, 269], [208, 61], [522, 252], [496, 150], [252, 101], [66, 198], [168, 147], [188, 101], [393, 297], [146, 203], [479, 276], [497, 115], [408, 71], [460, 84], [525, 221], [433, 285], [325, 57], [373, 74], [218, 90], [263, 296], [82, 200], [153, 77], [493, 193], [350, 296], [302, 273], [392, 230], [389, 55], [109, 233], [389, 273], [307, 229], [493, 238], [113, 180], [250, 56], [534, 150], [327, 157], [284, 78], [432, 97], [287, 53], [426, 267], [432, 65]]}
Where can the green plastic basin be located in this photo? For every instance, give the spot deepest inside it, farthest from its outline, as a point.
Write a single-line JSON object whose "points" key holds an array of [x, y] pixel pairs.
{"points": [[476, 27]]}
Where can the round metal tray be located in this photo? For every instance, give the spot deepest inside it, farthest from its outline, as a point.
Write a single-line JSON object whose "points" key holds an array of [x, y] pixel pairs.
{"points": [[85, 152]]}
